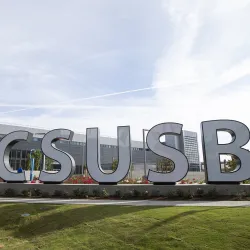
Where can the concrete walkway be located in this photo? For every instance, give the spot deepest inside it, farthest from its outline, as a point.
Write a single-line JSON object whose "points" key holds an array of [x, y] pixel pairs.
{"points": [[128, 203]]}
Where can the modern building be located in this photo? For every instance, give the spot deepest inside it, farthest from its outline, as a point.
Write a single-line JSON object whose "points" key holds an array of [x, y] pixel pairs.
{"points": [[187, 143], [191, 150], [175, 142], [76, 148], [108, 149]]}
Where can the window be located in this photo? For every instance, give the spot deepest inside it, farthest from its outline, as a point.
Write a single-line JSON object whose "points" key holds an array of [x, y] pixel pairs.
{"points": [[24, 154], [13, 153], [13, 164], [23, 164], [18, 154]]}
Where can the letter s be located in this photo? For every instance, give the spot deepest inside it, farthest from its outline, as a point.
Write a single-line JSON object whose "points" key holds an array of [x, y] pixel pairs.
{"points": [[66, 160], [179, 159]]}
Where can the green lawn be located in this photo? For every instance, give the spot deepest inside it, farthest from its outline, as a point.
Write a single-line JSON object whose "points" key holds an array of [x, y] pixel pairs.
{"points": [[123, 227]]}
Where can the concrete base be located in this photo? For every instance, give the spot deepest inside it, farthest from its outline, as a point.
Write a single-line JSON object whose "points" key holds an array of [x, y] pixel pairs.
{"points": [[107, 183], [164, 183], [222, 190]]}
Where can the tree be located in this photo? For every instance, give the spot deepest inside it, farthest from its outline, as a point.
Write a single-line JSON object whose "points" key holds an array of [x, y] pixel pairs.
{"points": [[48, 163], [37, 155], [27, 166], [232, 164], [85, 169], [132, 168], [114, 165], [164, 165]]}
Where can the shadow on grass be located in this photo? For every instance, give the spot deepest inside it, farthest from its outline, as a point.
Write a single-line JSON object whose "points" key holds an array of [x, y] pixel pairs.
{"points": [[11, 214], [184, 214], [69, 217]]}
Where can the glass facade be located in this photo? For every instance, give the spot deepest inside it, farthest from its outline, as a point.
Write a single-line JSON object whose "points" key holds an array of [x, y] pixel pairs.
{"points": [[188, 144], [191, 150], [18, 158]]}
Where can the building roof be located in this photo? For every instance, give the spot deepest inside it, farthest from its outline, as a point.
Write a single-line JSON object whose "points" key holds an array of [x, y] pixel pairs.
{"points": [[78, 137]]}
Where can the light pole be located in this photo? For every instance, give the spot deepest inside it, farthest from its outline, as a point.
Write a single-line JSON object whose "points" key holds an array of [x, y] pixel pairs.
{"points": [[32, 164], [144, 149]]}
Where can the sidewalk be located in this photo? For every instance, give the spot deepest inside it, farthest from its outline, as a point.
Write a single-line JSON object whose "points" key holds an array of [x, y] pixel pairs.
{"points": [[129, 203]]}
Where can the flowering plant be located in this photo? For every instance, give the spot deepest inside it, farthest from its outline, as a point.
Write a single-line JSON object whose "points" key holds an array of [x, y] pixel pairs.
{"points": [[135, 181], [80, 179], [193, 181]]}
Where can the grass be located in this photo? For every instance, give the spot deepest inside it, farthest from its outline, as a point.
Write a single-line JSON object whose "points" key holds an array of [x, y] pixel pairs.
{"points": [[123, 227]]}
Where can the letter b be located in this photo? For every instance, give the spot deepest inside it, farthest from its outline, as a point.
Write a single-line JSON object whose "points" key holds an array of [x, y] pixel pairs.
{"points": [[212, 150]]}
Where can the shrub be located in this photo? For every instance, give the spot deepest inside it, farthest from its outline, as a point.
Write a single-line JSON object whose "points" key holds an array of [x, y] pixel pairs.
{"points": [[45, 195], [118, 193], [212, 193], [61, 193], [188, 195], [36, 192], [135, 181], [77, 192], [26, 193], [179, 193], [58, 193], [10, 192], [246, 181], [136, 193], [170, 195], [84, 194], [199, 192], [128, 195], [96, 193], [156, 193], [241, 195], [65, 194], [104, 194], [145, 194]]}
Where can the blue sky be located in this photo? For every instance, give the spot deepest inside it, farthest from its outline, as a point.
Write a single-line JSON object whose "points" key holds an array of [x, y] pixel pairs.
{"points": [[196, 54]]}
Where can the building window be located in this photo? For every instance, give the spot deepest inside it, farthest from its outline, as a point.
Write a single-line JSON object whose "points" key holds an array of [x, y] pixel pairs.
{"points": [[23, 164], [18, 154], [13, 153], [24, 154]]}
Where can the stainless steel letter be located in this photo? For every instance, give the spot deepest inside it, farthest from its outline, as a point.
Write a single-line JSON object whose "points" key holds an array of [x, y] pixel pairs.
{"points": [[179, 159], [7, 142], [212, 150], [66, 160], [93, 155]]}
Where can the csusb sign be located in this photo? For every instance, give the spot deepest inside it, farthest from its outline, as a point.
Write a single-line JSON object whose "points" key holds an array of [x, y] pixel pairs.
{"points": [[211, 152]]}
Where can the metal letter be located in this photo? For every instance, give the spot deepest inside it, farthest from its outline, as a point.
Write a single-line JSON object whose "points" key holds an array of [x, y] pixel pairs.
{"points": [[179, 159], [7, 142], [93, 156], [212, 150], [66, 160]]}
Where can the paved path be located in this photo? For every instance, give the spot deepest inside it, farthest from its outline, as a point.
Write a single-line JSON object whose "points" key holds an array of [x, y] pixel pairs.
{"points": [[129, 203]]}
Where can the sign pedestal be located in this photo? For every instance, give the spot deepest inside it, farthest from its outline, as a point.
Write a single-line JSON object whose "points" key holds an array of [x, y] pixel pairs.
{"points": [[165, 183]]}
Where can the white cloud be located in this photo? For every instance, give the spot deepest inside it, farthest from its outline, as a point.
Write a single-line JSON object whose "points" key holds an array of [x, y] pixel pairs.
{"points": [[206, 48]]}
